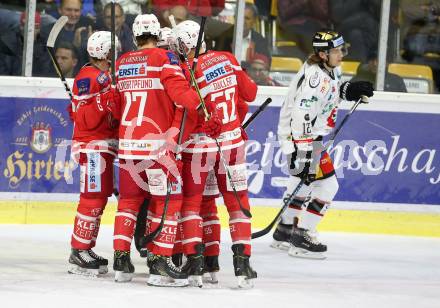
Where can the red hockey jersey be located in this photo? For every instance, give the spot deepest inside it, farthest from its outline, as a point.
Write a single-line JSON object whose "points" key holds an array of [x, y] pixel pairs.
{"points": [[152, 86], [95, 128], [223, 83]]}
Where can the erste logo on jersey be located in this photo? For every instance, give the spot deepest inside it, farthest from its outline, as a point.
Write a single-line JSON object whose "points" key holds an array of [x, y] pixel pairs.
{"points": [[217, 71], [132, 70]]}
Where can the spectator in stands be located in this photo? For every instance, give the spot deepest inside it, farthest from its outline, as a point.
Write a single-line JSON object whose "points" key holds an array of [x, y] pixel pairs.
{"points": [[358, 20], [421, 32], [301, 19], [77, 29], [131, 8], [123, 31], [253, 42], [368, 72], [67, 58], [51, 7], [195, 7], [179, 12], [11, 51], [259, 71]]}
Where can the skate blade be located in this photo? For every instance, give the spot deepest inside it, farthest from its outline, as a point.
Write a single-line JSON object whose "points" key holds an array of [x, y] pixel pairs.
{"points": [[162, 281], [210, 277], [280, 245], [244, 283], [103, 269], [195, 281], [77, 270], [120, 276], [305, 254]]}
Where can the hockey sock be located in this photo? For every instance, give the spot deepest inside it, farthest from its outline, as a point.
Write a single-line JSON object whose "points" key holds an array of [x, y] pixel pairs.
{"points": [[85, 225], [211, 227], [125, 222]]}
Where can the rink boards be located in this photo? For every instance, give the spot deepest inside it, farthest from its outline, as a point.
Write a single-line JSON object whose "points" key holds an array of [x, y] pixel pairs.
{"points": [[387, 159]]}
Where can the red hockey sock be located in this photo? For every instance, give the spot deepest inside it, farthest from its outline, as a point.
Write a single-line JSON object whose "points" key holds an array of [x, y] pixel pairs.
{"points": [[86, 225], [125, 222]]}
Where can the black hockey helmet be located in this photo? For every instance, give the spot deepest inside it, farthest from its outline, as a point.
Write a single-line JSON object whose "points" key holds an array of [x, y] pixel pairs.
{"points": [[326, 40]]}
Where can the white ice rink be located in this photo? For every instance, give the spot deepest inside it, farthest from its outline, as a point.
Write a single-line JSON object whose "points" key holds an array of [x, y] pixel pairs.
{"points": [[361, 271]]}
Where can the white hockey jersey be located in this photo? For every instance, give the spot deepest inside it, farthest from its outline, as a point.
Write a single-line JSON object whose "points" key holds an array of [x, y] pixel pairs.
{"points": [[309, 109]]}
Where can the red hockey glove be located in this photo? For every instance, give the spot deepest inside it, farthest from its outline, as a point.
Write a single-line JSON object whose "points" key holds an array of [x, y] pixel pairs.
{"points": [[172, 166], [213, 126]]}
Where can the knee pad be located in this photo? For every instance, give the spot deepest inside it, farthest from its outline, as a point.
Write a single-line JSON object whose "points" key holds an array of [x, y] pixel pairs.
{"points": [[94, 206], [325, 189]]}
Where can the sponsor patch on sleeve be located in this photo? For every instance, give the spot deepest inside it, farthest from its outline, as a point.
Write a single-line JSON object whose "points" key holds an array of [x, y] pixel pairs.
{"points": [[102, 78], [173, 58], [314, 80], [83, 86]]}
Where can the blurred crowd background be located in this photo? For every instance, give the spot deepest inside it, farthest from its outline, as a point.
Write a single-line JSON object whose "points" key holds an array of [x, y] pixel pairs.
{"points": [[276, 38]]}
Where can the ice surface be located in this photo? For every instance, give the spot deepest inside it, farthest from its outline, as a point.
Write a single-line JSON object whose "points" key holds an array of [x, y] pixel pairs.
{"points": [[361, 271]]}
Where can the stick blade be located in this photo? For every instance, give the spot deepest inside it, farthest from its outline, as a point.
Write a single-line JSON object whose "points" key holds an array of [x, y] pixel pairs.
{"points": [[57, 27]]}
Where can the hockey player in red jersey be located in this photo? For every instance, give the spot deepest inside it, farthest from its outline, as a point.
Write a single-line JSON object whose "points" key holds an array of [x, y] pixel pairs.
{"points": [[222, 82], [94, 148], [152, 88]]}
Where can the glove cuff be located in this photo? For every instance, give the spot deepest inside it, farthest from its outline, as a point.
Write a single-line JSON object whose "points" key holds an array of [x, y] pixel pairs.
{"points": [[343, 90]]}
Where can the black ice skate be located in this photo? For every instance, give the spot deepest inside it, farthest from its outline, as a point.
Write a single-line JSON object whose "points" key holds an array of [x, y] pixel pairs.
{"points": [[122, 266], [243, 270], [81, 263], [281, 236], [177, 259], [211, 269], [103, 263], [194, 266], [304, 245], [163, 273]]}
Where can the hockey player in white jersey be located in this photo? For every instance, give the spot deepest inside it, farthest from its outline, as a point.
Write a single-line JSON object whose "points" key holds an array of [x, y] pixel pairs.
{"points": [[309, 113]]}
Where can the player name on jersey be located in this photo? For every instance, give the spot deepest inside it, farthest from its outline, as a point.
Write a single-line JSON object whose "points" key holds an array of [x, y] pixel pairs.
{"points": [[139, 84]]}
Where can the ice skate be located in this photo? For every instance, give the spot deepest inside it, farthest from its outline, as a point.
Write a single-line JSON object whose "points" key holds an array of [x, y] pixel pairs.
{"points": [[304, 245], [81, 263], [122, 266], [281, 237], [103, 262], [242, 269], [163, 273], [194, 267], [211, 269]]}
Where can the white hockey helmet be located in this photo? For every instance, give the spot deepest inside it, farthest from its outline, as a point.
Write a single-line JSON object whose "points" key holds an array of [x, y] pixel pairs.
{"points": [[100, 44], [188, 31], [165, 37], [146, 24]]}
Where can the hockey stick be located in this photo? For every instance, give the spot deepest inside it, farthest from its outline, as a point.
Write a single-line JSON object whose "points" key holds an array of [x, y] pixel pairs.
{"points": [[290, 197], [50, 46], [181, 47], [257, 112], [152, 235], [146, 239], [194, 66]]}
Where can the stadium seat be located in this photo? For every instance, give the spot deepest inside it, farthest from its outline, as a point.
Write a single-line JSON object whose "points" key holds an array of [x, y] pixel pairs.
{"points": [[349, 67], [283, 69], [417, 78]]}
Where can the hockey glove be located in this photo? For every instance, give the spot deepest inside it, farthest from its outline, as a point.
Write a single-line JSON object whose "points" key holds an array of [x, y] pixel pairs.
{"points": [[213, 126], [353, 91], [171, 165]]}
